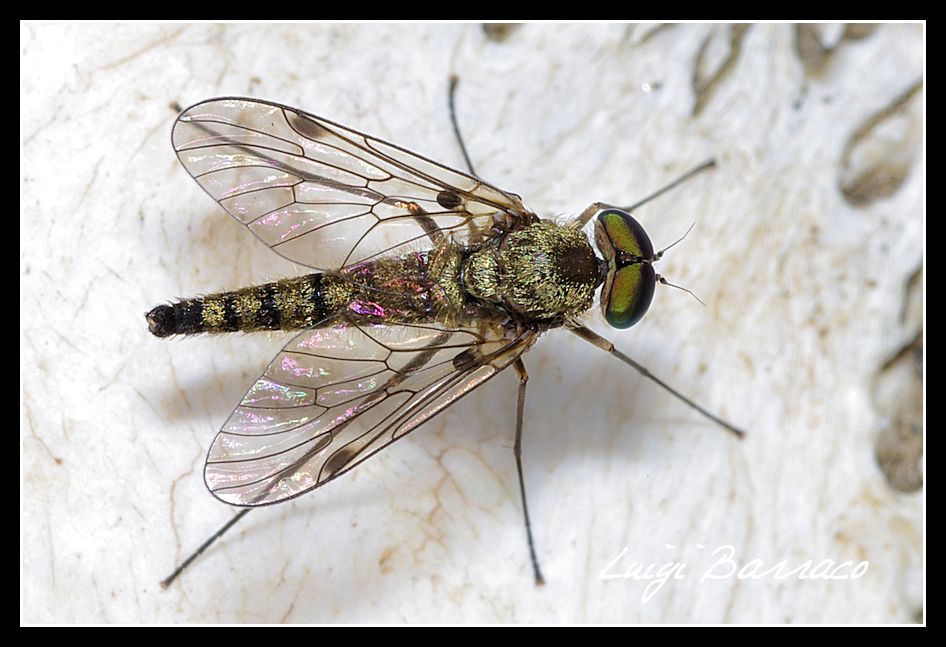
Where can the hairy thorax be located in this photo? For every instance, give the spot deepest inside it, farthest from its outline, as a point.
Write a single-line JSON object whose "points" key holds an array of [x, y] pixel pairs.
{"points": [[543, 272]]}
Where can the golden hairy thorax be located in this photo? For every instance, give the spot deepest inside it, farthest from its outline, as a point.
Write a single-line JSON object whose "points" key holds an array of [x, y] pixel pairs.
{"points": [[543, 272]]}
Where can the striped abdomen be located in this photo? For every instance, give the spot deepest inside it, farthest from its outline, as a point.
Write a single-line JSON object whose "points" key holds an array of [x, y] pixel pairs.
{"points": [[289, 304]]}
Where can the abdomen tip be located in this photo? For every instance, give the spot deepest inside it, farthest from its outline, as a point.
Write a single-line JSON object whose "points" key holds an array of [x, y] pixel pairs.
{"points": [[161, 321]]}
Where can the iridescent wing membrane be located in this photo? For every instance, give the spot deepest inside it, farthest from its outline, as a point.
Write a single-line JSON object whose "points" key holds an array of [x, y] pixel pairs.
{"points": [[335, 396], [327, 196]]}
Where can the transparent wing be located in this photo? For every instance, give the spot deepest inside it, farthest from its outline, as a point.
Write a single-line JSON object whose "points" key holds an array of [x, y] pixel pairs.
{"points": [[334, 397], [326, 196]]}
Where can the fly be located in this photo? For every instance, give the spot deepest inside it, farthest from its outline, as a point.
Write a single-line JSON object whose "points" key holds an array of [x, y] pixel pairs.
{"points": [[427, 283]]}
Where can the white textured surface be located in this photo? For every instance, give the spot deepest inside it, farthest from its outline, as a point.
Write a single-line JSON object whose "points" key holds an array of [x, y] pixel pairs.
{"points": [[803, 295]]}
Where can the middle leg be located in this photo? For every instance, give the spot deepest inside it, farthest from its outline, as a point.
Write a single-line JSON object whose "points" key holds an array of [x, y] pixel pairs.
{"points": [[520, 409]]}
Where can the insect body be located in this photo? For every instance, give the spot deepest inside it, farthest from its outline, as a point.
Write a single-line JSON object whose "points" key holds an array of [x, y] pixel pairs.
{"points": [[427, 283], [542, 274]]}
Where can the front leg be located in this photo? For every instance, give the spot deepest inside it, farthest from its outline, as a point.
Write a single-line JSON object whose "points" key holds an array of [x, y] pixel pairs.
{"points": [[602, 343], [593, 209], [582, 219]]}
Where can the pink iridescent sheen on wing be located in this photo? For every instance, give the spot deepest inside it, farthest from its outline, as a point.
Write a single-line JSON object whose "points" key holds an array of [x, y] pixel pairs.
{"points": [[335, 396], [324, 195]]}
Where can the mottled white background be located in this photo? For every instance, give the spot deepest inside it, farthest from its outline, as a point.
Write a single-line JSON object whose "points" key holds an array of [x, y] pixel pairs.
{"points": [[806, 298]]}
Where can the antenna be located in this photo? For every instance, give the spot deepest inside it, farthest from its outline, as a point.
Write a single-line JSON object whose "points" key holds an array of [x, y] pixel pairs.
{"points": [[660, 254], [664, 281]]}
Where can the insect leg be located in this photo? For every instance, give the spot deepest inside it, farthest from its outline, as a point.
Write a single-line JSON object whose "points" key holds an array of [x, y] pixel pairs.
{"points": [[608, 347], [520, 409], [423, 219], [453, 120], [166, 582], [582, 219]]}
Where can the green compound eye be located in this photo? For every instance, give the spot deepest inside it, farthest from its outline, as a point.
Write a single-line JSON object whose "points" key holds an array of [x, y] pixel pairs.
{"points": [[629, 286], [625, 234], [628, 294]]}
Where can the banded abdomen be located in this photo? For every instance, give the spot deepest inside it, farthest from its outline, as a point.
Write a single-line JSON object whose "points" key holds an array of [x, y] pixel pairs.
{"points": [[417, 287], [289, 304]]}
